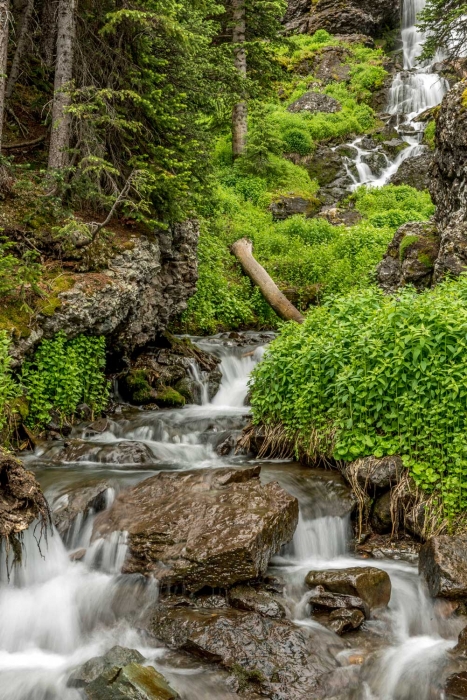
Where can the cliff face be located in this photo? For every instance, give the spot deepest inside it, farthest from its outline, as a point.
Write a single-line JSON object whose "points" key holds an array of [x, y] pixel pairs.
{"points": [[140, 292], [448, 186], [423, 254], [369, 17]]}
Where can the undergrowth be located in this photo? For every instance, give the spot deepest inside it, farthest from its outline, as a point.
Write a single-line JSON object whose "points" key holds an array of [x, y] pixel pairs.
{"points": [[369, 374]]}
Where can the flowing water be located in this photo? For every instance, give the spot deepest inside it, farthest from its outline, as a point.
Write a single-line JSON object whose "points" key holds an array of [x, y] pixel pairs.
{"points": [[414, 89], [57, 612]]}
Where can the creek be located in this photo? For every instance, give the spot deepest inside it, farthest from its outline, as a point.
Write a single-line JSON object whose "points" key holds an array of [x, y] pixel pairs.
{"points": [[56, 613]]}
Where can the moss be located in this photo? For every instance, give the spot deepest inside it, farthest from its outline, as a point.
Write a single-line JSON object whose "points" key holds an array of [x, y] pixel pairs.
{"points": [[136, 388], [464, 98], [245, 676], [429, 135], [169, 398], [406, 242], [15, 317], [184, 387], [425, 260]]}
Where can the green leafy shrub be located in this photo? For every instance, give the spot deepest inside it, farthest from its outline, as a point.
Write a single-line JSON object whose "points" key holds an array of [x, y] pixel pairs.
{"points": [[298, 141], [64, 373], [8, 388], [370, 374]]}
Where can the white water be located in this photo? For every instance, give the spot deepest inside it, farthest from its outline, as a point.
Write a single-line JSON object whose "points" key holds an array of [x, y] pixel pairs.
{"points": [[413, 90], [56, 613]]}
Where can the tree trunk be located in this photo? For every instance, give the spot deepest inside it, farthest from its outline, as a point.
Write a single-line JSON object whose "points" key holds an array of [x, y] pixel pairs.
{"points": [[21, 44], [239, 112], [4, 24], [243, 251], [49, 32], [60, 135]]}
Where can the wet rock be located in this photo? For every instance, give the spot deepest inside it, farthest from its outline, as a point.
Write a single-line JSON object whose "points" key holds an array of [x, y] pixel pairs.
{"points": [[381, 516], [384, 547], [117, 656], [79, 500], [342, 621], [21, 502], [461, 647], [315, 102], [376, 161], [169, 398], [227, 446], [96, 427], [131, 682], [325, 165], [291, 205], [411, 257], [375, 474], [322, 601], [144, 287], [414, 172], [456, 686], [372, 585], [443, 565], [123, 452], [210, 527], [394, 146], [277, 658], [257, 599]]}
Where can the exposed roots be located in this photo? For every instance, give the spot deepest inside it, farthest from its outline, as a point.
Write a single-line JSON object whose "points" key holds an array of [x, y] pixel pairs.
{"points": [[351, 472], [270, 441], [21, 503]]}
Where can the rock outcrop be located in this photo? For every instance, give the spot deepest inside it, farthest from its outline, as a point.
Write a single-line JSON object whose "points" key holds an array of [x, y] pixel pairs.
{"points": [[414, 172], [423, 254], [81, 500], [353, 17], [210, 527], [443, 565], [411, 257], [143, 288], [315, 102]]}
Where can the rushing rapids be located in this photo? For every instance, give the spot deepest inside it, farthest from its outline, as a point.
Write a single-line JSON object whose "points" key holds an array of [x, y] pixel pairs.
{"points": [[58, 610]]}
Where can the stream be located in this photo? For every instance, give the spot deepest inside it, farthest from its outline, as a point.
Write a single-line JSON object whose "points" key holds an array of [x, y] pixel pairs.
{"points": [[56, 613]]}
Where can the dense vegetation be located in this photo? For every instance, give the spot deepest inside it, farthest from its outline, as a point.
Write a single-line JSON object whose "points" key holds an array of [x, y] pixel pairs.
{"points": [[369, 374]]}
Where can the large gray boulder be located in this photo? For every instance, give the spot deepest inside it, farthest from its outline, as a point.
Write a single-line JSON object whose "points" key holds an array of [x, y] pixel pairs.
{"points": [[414, 172], [443, 565], [209, 527]]}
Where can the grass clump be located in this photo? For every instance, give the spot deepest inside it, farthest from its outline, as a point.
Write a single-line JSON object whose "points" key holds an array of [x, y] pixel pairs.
{"points": [[369, 374]]}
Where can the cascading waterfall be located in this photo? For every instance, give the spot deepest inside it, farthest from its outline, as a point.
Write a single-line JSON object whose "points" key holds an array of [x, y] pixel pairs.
{"points": [[57, 612], [414, 89]]}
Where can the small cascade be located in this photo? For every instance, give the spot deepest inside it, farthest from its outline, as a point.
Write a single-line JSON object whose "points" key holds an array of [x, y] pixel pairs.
{"points": [[414, 89]]}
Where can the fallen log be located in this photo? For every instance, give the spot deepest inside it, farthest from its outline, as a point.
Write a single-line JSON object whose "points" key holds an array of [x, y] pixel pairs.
{"points": [[243, 251]]}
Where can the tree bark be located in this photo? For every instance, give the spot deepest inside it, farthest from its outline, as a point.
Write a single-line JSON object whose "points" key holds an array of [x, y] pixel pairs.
{"points": [[4, 26], [243, 251], [49, 32], [21, 44], [240, 110], [60, 135]]}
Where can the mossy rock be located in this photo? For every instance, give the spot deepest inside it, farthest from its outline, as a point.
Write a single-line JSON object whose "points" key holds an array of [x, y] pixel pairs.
{"points": [[185, 388], [135, 387], [169, 398]]}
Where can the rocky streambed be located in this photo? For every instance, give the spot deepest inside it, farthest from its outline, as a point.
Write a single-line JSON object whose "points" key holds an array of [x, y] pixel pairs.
{"points": [[179, 569]]}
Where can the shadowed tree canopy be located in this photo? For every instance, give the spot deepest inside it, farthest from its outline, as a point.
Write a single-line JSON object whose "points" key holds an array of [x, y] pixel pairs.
{"points": [[445, 22]]}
